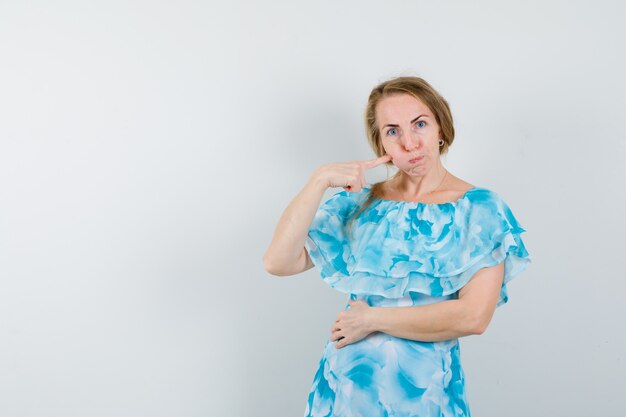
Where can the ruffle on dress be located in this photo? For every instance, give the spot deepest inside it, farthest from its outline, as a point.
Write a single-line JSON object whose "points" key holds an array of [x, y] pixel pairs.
{"points": [[397, 247]]}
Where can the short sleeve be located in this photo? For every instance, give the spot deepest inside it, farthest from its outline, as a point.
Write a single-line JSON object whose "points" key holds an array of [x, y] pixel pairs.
{"points": [[500, 240], [326, 238]]}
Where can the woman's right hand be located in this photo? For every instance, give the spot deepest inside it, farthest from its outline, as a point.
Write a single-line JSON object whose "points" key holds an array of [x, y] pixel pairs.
{"points": [[348, 175]]}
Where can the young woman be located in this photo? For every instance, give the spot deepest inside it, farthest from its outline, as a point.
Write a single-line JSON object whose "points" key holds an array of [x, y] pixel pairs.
{"points": [[425, 257]]}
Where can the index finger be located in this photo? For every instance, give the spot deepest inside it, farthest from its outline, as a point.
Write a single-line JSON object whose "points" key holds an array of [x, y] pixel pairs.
{"points": [[375, 162]]}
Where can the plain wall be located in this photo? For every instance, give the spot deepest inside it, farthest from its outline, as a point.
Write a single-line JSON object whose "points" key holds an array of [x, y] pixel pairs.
{"points": [[147, 150]]}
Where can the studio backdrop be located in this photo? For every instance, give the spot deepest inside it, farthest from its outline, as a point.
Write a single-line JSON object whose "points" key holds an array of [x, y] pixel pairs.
{"points": [[148, 149]]}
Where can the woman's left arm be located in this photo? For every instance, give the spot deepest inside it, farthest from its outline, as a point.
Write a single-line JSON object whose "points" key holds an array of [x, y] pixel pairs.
{"points": [[469, 314]]}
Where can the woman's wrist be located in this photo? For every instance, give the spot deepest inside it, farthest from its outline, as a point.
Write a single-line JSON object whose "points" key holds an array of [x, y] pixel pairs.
{"points": [[317, 181], [372, 319]]}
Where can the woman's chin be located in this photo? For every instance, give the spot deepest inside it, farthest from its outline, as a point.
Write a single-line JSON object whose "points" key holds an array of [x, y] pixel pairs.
{"points": [[415, 171]]}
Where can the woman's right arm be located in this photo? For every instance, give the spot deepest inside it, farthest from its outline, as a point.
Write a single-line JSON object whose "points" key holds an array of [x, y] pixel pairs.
{"points": [[286, 254]]}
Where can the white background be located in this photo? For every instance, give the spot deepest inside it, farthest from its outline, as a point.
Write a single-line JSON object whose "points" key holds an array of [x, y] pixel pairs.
{"points": [[147, 150]]}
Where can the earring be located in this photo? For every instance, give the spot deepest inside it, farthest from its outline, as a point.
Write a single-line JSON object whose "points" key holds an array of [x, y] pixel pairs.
{"points": [[441, 142]]}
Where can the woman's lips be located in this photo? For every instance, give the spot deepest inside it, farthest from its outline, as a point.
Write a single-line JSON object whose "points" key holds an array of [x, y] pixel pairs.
{"points": [[418, 159]]}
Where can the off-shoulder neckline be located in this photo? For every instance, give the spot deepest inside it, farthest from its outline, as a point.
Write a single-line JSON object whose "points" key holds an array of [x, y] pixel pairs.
{"points": [[419, 203]]}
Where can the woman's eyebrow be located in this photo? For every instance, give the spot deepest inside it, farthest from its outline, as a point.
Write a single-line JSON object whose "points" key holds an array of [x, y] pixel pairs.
{"points": [[412, 121], [415, 120]]}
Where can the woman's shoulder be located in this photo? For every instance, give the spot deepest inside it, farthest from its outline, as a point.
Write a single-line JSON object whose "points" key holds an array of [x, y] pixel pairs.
{"points": [[461, 188]]}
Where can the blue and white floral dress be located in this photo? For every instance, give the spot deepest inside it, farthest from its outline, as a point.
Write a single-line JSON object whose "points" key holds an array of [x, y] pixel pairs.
{"points": [[404, 254]]}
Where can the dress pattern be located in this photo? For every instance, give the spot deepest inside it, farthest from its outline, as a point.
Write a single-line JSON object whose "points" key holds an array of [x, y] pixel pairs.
{"points": [[400, 253]]}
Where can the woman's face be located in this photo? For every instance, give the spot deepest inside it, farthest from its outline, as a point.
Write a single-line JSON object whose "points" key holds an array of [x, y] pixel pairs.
{"points": [[408, 130]]}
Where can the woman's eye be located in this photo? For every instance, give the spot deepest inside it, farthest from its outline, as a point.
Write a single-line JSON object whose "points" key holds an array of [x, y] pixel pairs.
{"points": [[391, 132], [420, 121]]}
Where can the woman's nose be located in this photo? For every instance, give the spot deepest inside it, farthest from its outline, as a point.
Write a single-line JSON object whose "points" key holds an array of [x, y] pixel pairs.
{"points": [[410, 142]]}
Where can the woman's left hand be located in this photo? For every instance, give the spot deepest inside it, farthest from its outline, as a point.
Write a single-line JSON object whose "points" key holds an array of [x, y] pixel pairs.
{"points": [[352, 324]]}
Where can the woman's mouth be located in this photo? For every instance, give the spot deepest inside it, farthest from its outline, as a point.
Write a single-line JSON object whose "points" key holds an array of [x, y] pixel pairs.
{"points": [[418, 159]]}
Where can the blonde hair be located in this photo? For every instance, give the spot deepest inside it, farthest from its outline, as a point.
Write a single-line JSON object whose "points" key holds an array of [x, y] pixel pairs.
{"points": [[420, 89]]}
